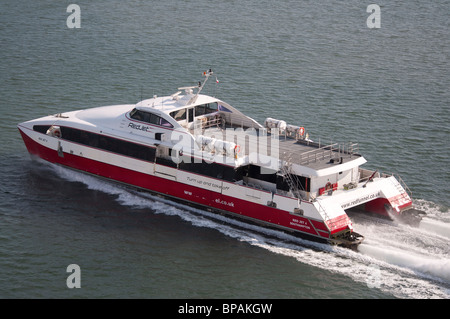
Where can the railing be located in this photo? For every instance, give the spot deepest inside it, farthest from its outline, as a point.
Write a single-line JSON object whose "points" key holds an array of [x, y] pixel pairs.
{"points": [[286, 170], [400, 181], [331, 224], [365, 174], [328, 151], [207, 121]]}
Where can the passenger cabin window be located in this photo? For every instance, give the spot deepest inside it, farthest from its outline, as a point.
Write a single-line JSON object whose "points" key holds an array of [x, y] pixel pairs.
{"points": [[179, 115], [182, 114], [103, 142], [165, 123], [205, 109], [150, 118], [199, 110]]}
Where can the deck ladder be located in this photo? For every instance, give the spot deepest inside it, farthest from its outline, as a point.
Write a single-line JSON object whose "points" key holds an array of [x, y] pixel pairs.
{"points": [[286, 169]]}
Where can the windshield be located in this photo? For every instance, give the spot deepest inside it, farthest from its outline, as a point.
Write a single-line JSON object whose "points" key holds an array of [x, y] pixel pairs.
{"points": [[148, 117]]}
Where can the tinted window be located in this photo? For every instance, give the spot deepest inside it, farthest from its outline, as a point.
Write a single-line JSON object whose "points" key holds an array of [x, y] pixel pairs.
{"points": [[254, 171], [148, 117], [167, 161], [153, 118], [302, 183], [109, 144], [213, 170], [165, 123], [179, 115], [41, 128], [211, 107], [205, 109], [139, 115]]}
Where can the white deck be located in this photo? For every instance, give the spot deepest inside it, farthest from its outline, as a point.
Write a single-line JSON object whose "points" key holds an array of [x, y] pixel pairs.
{"points": [[302, 152]]}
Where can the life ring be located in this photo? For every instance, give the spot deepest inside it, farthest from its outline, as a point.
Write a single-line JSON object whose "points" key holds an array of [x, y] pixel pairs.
{"points": [[237, 149], [54, 131], [301, 131]]}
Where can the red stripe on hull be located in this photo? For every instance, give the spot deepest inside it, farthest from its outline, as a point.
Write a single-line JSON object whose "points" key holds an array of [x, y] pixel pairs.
{"points": [[185, 192], [320, 226]]}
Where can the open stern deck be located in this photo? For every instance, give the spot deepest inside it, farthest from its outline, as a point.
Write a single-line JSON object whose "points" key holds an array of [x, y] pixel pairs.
{"points": [[303, 152]]}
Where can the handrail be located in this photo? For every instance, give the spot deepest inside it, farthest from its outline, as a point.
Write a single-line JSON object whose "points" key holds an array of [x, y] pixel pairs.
{"points": [[331, 224], [321, 151], [286, 169], [405, 187], [206, 121], [401, 182], [385, 175], [366, 174]]}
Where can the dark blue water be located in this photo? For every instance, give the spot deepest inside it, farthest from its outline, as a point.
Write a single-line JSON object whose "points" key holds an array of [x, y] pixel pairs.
{"points": [[312, 64]]}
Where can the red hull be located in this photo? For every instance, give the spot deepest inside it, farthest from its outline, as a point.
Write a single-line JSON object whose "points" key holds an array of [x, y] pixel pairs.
{"points": [[379, 205], [205, 198]]}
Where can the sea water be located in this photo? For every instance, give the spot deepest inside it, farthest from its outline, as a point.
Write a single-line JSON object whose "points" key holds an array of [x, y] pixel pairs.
{"points": [[313, 64]]}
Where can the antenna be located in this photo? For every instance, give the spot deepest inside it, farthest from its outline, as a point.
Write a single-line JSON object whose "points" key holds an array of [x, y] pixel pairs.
{"points": [[207, 74]]}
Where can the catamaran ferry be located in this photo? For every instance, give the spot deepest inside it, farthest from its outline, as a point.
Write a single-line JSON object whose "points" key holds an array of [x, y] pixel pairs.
{"points": [[202, 151]]}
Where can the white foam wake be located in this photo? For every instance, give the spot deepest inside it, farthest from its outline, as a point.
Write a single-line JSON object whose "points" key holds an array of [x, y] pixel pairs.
{"points": [[435, 227], [437, 221], [427, 265]]}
